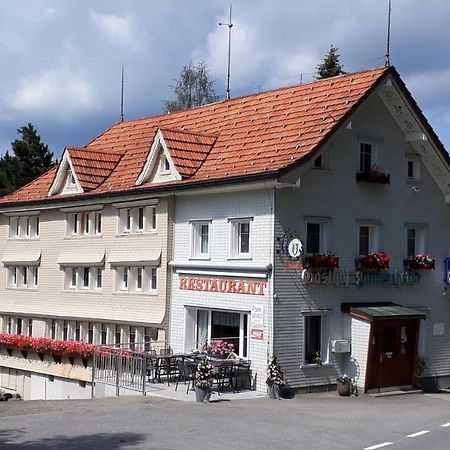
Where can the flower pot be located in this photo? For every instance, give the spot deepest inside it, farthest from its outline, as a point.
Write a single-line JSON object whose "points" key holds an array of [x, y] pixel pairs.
{"points": [[344, 389], [202, 395], [274, 392]]}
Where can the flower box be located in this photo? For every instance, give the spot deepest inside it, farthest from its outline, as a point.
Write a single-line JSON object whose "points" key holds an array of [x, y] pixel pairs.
{"points": [[374, 176], [419, 262], [375, 261], [327, 261]]}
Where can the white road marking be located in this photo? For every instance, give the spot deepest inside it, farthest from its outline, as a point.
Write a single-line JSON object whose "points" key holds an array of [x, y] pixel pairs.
{"points": [[446, 424], [384, 444], [419, 433]]}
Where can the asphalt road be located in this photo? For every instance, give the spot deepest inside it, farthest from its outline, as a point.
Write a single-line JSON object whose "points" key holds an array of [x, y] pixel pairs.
{"points": [[314, 421]]}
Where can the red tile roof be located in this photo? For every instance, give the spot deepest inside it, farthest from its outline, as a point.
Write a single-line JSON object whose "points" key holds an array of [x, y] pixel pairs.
{"points": [[92, 167], [255, 135], [188, 150]]}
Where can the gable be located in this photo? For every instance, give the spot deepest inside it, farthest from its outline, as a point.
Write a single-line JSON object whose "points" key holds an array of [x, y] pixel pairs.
{"points": [[175, 155], [65, 181]]}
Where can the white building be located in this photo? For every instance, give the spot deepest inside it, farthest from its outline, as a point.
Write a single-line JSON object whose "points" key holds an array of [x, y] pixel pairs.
{"points": [[177, 227]]}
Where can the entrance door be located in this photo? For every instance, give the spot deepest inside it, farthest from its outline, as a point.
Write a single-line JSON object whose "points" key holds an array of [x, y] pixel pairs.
{"points": [[392, 352]]}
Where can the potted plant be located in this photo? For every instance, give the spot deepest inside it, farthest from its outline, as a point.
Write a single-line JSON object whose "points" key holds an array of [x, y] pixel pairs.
{"points": [[419, 262], [375, 175], [344, 385], [326, 261], [219, 348], [376, 261], [203, 381], [274, 378]]}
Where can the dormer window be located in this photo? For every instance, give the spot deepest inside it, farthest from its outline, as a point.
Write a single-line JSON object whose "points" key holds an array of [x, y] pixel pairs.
{"points": [[165, 165], [71, 179]]}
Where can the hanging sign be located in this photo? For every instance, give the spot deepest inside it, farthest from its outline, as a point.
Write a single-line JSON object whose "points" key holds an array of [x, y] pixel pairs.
{"points": [[257, 322], [295, 248]]}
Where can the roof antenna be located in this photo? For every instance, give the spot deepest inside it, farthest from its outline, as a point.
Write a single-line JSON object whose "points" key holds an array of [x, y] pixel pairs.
{"points": [[121, 98], [229, 25], [388, 45]]}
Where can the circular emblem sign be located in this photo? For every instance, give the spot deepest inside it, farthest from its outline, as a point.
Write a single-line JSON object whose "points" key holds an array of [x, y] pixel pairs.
{"points": [[295, 248]]}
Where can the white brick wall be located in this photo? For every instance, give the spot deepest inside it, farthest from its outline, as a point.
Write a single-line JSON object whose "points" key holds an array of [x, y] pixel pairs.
{"points": [[219, 208]]}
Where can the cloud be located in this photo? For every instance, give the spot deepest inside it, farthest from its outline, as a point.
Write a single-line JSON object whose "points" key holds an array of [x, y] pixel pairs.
{"points": [[118, 30], [431, 86], [60, 92]]}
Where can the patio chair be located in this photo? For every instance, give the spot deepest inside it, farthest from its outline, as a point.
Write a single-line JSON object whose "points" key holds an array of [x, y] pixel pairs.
{"points": [[225, 376], [186, 372], [168, 367]]}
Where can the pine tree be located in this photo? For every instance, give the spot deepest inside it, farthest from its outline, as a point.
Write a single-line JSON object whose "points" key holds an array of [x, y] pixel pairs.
{"points": [[31, 159], [331, 66], [193, 88]]}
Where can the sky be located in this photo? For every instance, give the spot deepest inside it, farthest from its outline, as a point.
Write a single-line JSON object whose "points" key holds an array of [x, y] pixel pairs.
{"points": [[61, 60]]}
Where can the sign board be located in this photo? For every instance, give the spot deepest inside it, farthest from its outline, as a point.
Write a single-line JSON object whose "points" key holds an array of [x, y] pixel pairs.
{"points": [[257, 322], [222, 285], [295, 248], [447, 270], [438, 329]]}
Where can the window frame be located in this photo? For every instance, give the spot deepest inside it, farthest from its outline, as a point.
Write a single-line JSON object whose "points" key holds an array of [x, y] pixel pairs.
{"points": [[197, 239], [324, 224], [324, 336], [235, 237], [419, 238], [374, 228]]}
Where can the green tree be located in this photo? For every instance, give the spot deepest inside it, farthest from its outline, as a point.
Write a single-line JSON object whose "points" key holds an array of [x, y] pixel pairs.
{"points": [[331, 65], [193, 88], [31, 158]]}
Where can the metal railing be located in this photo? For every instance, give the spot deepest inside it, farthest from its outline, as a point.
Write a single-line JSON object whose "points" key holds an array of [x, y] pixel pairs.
{"points": [[125, 365]]}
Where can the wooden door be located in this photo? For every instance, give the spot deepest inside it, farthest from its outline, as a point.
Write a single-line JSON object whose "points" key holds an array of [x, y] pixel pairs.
{"points": [[392, 352]]}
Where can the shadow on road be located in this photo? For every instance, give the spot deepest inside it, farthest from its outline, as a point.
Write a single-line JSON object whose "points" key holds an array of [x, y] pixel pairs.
{"points": [[14, 439]]}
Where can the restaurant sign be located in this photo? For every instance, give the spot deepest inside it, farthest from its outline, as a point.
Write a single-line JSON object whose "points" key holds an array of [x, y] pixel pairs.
{"points": [[223, 286], [359, 278]]}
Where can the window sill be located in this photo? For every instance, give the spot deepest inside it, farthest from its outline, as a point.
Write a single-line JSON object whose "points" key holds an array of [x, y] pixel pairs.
{"points": [[22, 289], [83, 291], [240, 258], [83, 236], [199, 258], [316, 366], [413, 180], [21, 239], [137, 233], [137, 293]]}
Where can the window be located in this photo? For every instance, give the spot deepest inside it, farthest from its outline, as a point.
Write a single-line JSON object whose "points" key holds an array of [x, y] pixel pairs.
{"points": [[86, 277], [368, 232], [154, 279], [164, 165], [317, 229], [240, 238], [200, 239], [231, 327], [140, 226], [84, 223], [77, 331], [24, 227], [19, 326], [99, 280], [104, 333], [318, 162], [313, 238], [53, 329], [140, 219], [366, 157], [24, 277], [74, 277], [65, 330], [30, 327], [9, 325], [413, 169], [315, 338], [415, 240], [137, 279], [90, 333], [83, 278], [117, 335], [132, 337]]}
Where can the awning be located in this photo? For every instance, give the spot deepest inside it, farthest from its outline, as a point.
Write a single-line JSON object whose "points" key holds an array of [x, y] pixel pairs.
{"points": [[144, 258], [70, 258], [381, 310], [21, 257]]}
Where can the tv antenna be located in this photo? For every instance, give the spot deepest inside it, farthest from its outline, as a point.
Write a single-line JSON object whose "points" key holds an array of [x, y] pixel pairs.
{"points": [[121, 97], [230, 26], [388, 44]]}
